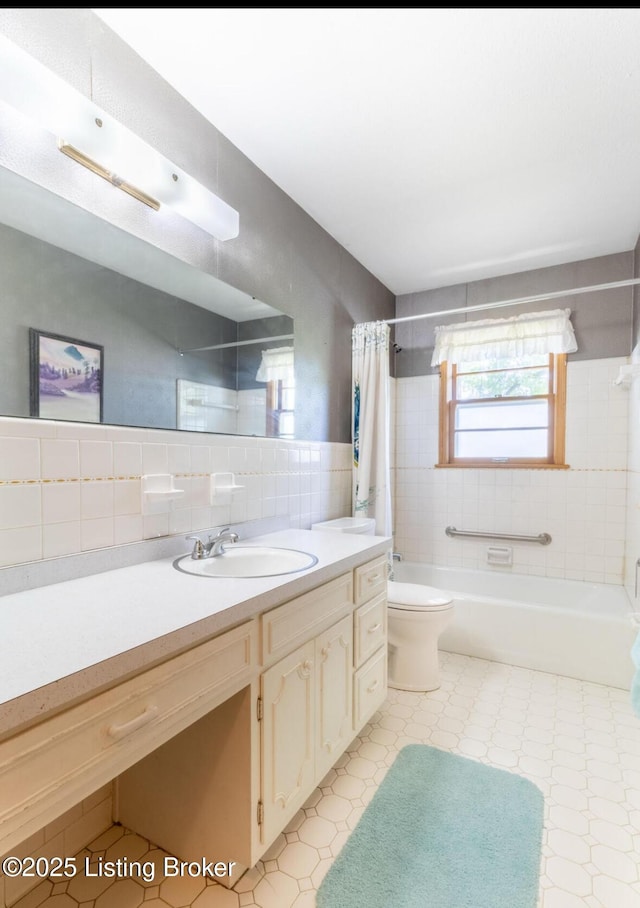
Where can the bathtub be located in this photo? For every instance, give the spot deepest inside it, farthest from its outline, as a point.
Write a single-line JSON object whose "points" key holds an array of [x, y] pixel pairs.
{"points": [[569, 627]]}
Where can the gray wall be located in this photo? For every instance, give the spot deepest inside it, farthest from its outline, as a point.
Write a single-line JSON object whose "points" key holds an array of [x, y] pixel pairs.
{"points": [[602, 320], [282, 256]]}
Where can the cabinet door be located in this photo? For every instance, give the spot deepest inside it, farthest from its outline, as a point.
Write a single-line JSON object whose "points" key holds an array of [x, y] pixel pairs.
{"points": [[334, 710], [288, 738]]}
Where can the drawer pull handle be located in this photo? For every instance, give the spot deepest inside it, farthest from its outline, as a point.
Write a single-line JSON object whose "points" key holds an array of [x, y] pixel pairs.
{"points": [[373, 578], [374, 628], [121, 731], [373, 686]]}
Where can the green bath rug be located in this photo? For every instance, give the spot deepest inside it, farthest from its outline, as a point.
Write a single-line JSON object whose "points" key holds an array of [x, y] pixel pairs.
{"points": [[442, 831]]}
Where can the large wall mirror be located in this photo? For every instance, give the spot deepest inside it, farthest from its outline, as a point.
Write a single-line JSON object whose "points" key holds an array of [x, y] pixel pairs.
{"points": [[96, 321]]}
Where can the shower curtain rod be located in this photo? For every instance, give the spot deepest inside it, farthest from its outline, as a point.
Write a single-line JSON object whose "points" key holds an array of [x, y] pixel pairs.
{"points": [[256, 340], [514, 302]]}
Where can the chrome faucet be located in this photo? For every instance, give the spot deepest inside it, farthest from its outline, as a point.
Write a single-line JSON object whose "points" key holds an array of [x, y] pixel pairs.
{"points": [[218, 541], [213, 546]]}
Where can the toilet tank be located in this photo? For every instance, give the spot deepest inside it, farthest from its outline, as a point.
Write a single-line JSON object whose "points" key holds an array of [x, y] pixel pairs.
{"points": [[366, 525]]}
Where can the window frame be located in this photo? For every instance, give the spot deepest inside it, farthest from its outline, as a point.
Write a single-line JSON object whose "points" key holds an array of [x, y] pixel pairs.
{"points": [[275, 389], [557, 402]]}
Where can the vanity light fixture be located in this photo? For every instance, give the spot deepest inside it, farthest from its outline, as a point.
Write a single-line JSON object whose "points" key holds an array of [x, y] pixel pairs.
{"points": [[107, 175], [109, 149]]}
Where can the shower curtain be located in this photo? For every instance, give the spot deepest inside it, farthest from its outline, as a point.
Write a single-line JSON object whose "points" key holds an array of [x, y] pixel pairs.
{"points": [[370, 424]]}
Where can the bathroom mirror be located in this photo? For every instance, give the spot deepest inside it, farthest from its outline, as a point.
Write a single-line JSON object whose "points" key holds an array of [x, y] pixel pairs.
{"points": [[180, 349]]}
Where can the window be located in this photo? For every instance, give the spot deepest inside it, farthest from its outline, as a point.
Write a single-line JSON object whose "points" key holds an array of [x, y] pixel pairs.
{"points": [[280, 409], [503, 390], [277, 371], [503, 411]]}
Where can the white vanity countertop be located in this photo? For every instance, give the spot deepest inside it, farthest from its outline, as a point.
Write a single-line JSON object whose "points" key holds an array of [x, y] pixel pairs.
{"points": [[64, 642]]}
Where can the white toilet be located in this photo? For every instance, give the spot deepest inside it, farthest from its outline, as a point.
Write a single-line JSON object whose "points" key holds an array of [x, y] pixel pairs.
{"points": [[417, 615]]}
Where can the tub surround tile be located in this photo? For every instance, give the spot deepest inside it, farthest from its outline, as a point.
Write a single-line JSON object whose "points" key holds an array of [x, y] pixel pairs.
{"points": [[582, 508]]}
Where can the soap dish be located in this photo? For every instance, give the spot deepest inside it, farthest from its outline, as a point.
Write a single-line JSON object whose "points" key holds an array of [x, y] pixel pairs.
{"points": [[159, 493], [223, 487]]}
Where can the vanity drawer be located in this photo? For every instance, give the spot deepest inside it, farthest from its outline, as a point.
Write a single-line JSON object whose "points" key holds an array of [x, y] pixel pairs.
{"points": [[289, 625], [370, 629], [369, 688], [370, 580], [48, 768]]}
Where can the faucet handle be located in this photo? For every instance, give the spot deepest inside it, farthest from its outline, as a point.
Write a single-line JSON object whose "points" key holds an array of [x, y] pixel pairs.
{"points": [[198, 548]]}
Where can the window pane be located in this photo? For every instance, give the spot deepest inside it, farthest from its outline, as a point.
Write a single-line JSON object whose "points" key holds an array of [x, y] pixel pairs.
{"points": [[288, 398], [502, 414], [507, 443], [510, 383], [511, 362], [286, 424]]}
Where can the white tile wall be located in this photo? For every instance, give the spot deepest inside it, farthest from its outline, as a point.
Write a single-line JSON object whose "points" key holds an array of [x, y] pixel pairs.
{"points": [[70, 487], [583, 508]]}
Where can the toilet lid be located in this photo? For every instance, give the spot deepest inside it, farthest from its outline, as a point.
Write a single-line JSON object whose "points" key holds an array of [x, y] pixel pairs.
{"points": [[417, 597]]}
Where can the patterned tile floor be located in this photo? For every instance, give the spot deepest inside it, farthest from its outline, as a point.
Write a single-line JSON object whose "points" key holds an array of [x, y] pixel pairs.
{"points": [[579, 742]]}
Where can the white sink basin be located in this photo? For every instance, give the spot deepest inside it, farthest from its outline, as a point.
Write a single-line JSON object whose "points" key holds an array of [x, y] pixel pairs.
{"points": [[248, 561]]}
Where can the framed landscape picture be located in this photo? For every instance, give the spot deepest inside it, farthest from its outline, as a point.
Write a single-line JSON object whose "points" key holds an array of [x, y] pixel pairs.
{"points": [[66, 377]]}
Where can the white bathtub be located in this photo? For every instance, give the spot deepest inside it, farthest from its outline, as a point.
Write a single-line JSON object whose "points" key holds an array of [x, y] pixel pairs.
{"points": [[580, 630]]}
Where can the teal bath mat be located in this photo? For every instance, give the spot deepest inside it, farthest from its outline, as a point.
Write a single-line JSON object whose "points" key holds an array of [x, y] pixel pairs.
{"points": [[442, 831]]}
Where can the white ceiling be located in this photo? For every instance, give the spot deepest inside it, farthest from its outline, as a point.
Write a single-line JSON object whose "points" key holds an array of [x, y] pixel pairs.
{"points": [[437, 145]]}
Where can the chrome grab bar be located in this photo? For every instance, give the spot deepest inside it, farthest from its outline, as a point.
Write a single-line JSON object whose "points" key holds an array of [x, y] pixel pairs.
{"points": [[542, 538]]}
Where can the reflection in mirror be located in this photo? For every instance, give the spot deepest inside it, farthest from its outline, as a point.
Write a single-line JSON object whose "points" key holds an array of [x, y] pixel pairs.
{"points": [[180, 349]]}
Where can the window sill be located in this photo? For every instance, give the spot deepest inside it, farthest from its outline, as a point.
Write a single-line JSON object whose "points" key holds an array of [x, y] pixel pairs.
{"points": [[483, 465]]}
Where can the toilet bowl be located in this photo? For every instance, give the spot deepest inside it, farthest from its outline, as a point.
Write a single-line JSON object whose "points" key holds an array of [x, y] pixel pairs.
{"points": [[417, 615]]}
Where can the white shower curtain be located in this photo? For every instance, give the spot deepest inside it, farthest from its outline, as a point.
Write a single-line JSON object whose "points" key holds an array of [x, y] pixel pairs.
{"points": [[370, 424]]}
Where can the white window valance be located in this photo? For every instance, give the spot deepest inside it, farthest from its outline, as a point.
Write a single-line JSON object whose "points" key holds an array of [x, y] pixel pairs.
{"points": [[276, 365], [530, 334]]}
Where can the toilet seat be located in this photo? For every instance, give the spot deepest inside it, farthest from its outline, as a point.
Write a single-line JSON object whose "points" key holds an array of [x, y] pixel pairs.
{"points": [[415, 597]]}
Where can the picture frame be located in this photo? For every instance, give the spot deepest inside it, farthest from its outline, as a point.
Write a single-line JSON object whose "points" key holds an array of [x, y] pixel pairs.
{"points": [[66, 377]]}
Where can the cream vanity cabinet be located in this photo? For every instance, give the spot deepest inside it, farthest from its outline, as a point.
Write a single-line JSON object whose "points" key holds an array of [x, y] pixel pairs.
{"points": [[306, 698], [230, 783], [215, 749], [51, 766], [314, 699]]}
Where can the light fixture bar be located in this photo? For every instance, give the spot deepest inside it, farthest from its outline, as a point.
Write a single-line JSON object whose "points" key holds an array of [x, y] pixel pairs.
{"points": [[107, 175], [74, 120]]}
